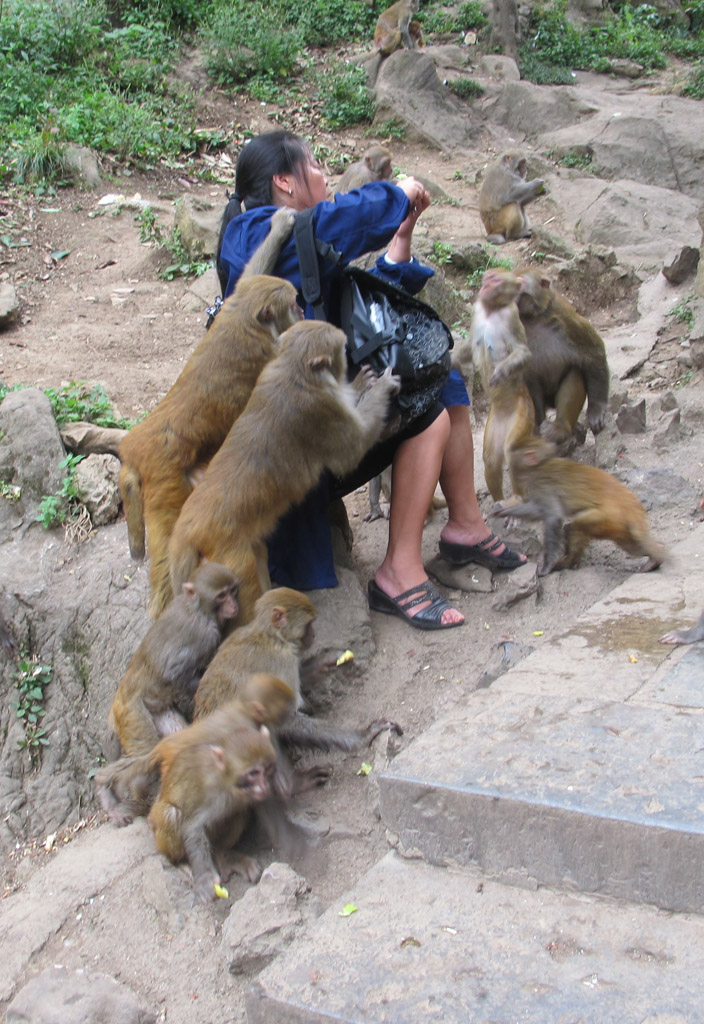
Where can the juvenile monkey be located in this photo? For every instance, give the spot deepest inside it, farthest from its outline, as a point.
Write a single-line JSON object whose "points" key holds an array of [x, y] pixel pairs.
{"points": [[162, 456], [206, 793], [396, 28], [127, 788], [376, 164], [155, 695], [569, 359], [275, 642], [685, 636], [501, 355], [503, 196], [303, 417], [578, 504]]}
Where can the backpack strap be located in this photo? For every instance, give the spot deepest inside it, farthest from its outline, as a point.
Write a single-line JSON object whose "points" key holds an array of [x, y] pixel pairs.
{"points": [[308, 248]]}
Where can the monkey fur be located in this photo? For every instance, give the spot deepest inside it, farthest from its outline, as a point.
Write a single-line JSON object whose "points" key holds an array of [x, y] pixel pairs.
{"points": [[577, 504], [375, 165], [302, 418], [503, 196], [396, 28], [569, 359], [162, 456], [501, 355]]}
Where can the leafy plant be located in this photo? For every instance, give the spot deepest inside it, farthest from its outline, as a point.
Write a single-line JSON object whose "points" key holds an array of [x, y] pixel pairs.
{"points": [[31, 679], [474, 279], [56, 509], [388, 130], [41, 158], [466, 88], [694, 86], [184, 265], [683, 312], [246, 39], [345, 96], [10, 492], [81, 401], [441, 252], [466, 17], [579, 161]]}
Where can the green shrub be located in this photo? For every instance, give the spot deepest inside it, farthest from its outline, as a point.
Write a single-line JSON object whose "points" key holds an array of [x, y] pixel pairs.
{"points": [[247, 39], [326, 22], [40, 157], [345, 95], [694, 87], [56, 509], [467, 17], [31, 679], [80, 401], [466, 88]]}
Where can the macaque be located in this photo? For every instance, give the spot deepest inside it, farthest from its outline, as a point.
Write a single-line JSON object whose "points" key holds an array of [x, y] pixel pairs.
{"points": [[155, 695], [503, 196], [163, 455], [302, 418], [569, 359], [501, 355], [685, 636], [577, 504], [374, 165], [396, 28], [127, 788], [207, 791], [275, 642]]}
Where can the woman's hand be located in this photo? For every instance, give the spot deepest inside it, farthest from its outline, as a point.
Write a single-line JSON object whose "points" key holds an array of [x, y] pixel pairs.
{"points": [[419, 198]]}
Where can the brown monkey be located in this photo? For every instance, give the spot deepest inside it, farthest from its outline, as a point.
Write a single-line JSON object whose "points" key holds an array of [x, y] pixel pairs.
{"points": [[396, 28], [501, 355], [162, 455], [207, 790], [685, 636], [374, 165], [303, 417], [503, 196], [569, 359], [275, 642], [126, 788], [577, 504], [155, 695]]}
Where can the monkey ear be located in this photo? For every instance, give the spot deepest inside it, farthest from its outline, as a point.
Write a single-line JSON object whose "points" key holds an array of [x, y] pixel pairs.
{"points": [[265, 314], [190, 591], [219, 755], [545, 282], [257, 711], [278, 617], [318, 364], [531, 457]]}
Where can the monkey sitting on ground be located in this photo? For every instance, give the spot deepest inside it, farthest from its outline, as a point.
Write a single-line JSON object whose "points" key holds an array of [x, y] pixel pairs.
{"points": [[302, 418], [396, 28], [685, 636], [375, 165], [155, 695], [503, 196], [577, 504], [275, 642], [569, 359], [162, 456], [207, 790], [501, 355]]}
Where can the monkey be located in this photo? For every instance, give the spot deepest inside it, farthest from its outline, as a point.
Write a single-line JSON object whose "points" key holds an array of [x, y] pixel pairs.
{"points": [[207, 790], [162, 456], [126, 788], [685, 636], [503, 196], [396, 28], [155, 695], [577, 504], [569, 359], [500, 353], [275, 641], [375, 165], [302, 418]]}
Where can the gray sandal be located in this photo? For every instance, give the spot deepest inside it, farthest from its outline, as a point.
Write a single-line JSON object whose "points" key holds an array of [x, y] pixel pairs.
{"points": [[427, 618]]}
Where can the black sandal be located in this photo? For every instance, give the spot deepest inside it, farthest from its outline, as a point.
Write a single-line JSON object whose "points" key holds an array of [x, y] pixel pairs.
{"points": [[427, 618], [481, 554]]}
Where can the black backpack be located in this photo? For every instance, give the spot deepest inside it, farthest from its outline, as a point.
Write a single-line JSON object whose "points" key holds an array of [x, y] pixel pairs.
{"points": [[385, 326]]}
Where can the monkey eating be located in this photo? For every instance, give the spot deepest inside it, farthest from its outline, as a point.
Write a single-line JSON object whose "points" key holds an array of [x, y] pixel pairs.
{"points": [[396, 28], [577, 504], [207, 790], [503, 196], [500, 353], [685, 636], [155, 695], [162, 456], [303, 417], [375, 165], [569, 359]]}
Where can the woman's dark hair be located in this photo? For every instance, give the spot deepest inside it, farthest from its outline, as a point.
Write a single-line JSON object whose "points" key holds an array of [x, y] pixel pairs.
{"points": [[273, 153]]}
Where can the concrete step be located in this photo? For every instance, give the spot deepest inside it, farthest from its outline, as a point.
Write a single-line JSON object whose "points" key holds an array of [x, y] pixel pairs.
{"points": [[582, 767], [450, 946]]}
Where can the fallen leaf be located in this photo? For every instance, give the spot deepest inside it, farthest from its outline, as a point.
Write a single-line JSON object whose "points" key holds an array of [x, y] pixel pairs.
{"points": [[348, 910]]}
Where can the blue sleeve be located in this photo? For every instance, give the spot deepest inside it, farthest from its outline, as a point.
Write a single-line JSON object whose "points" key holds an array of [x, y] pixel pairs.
{"points": [[411, 276]]}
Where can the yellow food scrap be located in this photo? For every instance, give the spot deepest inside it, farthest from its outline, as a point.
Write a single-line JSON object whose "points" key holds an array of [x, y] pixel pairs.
{"points": [[632, 658], [538, 632], [220, 891], [364, 768], [345, 656], [348, 910]]}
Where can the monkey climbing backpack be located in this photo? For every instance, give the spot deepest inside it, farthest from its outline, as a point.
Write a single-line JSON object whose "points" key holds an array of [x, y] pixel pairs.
{"points": [[385, 326]]}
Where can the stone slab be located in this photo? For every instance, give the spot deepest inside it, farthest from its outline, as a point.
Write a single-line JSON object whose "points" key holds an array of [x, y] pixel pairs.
{"points": [[449, 946]]}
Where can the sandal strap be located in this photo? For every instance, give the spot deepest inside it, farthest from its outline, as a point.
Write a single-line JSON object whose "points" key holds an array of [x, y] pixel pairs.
{"points": [[426, 591], [486, 544]]}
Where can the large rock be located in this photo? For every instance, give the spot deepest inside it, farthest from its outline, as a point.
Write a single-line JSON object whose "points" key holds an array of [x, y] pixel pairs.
{"points": [[9, 306], [198, 223], [30, 453], [526, 109], [60, 996]]}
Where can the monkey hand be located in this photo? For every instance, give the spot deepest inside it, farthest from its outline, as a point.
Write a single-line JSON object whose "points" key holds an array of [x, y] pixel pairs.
{"points": [[374, 513], [204, 886], [389, 381], [540, 189], [364, 379], [380, 725]]}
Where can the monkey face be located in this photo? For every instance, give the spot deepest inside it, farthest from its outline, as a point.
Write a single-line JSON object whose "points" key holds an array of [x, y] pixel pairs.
{"points": [[256, 782]]}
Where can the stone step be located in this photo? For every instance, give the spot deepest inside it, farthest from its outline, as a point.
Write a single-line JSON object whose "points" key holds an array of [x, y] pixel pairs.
{"points": [[582, 767], [452, 946]]}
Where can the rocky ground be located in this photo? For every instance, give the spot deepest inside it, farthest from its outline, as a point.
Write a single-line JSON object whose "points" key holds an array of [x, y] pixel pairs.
{"points": [[92, 308]]}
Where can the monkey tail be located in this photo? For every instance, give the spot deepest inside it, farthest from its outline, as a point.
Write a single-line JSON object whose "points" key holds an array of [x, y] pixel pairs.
{"points": [[133, 504], [184, 559]]}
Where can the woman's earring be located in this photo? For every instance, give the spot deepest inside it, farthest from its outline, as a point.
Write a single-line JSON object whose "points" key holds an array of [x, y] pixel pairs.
{"points": [[290, 191]]}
